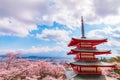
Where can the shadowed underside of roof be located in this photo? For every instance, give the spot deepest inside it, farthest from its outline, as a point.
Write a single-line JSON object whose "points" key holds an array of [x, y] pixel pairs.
{"points": [[84, 50], [92, 63], [97, 52]]}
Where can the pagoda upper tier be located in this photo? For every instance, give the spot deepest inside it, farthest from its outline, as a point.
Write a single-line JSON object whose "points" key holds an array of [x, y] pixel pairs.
{"points": [[86, 42]]}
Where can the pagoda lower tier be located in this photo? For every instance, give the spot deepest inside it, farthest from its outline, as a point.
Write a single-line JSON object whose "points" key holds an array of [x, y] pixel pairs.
{"points": [[89, 67]]}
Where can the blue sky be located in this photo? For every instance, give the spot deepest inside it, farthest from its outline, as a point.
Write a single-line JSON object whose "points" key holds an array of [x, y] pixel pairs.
{"points": [[45, 27]]}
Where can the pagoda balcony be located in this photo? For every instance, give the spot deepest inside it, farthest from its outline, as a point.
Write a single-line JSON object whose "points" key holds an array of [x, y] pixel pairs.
{"points": [[88, 72], [87, 48], [86, 59]]}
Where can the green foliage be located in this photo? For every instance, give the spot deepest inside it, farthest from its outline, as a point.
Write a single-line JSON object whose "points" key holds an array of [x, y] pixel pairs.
{"points": [[117, 70], [114, 59], [103, 59]]}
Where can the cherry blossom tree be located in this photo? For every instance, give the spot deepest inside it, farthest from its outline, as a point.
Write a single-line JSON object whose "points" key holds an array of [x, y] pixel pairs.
{"points": [[10, 59], [18, 69]]}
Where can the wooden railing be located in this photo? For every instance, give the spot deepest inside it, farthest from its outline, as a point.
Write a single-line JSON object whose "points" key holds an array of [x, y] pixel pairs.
{"points": [[89, 72], [90, 48], [86, 59]]}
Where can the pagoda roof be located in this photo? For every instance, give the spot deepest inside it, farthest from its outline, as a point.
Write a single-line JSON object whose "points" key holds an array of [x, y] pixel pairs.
{"points": [[96, 51], [92, 63], [75, 41]]}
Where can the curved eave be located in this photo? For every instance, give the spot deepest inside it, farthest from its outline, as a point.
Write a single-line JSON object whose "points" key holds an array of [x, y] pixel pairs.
{"points": [[100, 64], [73, 52], [75, 41]]}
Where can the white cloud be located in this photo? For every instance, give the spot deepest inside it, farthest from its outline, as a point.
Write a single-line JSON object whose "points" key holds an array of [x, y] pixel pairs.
{"points": [[54, 35], [26, 14], [6, 51], [20, 17], [95, 34], [46, 49], [10, 26], [108, 32], [113, 42], [36, 50], [106, 7], [109, 55]]}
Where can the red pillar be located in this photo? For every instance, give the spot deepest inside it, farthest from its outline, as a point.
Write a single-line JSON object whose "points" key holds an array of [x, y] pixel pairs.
{"points": [[96, 70], [80, 55], [80, 68], [77, 68], [93, 55]]}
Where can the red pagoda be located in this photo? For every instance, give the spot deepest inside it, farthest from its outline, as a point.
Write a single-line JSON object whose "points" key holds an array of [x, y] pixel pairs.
{"points": [[85, 53]]}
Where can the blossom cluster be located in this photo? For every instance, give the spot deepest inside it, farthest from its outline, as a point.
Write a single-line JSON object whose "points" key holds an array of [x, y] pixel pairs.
{"points": [[12, 68]]}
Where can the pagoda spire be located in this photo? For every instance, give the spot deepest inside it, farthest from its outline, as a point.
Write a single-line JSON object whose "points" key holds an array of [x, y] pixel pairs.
{"points": [[82, 26]]}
